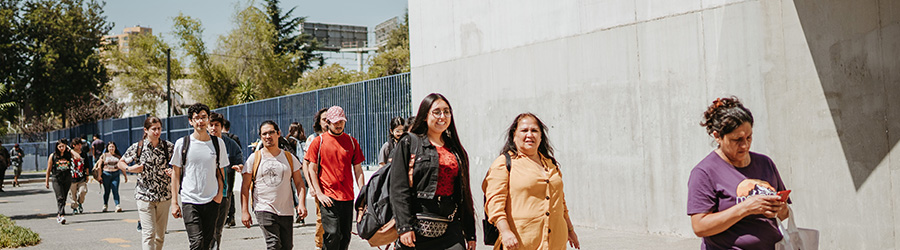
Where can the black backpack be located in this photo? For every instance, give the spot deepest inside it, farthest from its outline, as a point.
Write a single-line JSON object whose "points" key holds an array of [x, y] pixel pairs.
{"points": [[373, 203], [491, 233], [186, 143]]}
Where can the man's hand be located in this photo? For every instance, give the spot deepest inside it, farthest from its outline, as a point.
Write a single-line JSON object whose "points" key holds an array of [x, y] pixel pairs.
{"points": [[176, 210], [245, 219], [238, 168], [324, 200], [301, 211], [218, 198]]}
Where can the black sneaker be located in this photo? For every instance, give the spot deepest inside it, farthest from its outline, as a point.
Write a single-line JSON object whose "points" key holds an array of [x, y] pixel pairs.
{"points": [[139, 228], [229, 222]]}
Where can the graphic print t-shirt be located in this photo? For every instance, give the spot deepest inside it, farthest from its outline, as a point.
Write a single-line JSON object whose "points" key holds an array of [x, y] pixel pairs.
{"points": [[715, 186], [272, 191]]}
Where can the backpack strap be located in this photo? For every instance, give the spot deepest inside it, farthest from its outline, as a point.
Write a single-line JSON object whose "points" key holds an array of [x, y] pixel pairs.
{"points": [[257, 156], [185, 145]]}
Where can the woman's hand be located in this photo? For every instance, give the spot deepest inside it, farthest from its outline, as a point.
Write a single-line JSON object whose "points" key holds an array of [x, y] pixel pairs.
{"points": [[137, 168], [47, 184], [169, 172], [766, 205], [509, 240], [470, 245], [408, 239], [573, 240]]}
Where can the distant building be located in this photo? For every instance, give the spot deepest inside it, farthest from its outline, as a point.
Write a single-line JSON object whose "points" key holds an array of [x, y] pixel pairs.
{"points": [[123, 39], [337, 36], [383, 30]]}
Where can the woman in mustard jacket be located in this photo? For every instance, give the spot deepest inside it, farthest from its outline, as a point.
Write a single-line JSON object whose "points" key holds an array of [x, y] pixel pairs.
{"points": [[527, 203]]}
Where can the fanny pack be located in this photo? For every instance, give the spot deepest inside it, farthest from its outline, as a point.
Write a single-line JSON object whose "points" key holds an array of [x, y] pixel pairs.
{"points": [[432, 225]]}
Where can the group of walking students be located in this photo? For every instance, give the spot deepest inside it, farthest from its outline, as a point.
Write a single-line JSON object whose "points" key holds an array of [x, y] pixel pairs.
{"points": [[427, 171]]}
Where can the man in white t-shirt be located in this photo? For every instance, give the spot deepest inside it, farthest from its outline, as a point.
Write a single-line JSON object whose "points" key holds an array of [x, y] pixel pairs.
{"points": [[270, 172], [200, 189]]}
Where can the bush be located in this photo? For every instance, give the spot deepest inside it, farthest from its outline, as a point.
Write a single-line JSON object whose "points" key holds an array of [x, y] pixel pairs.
{"points": [[16, 236]]}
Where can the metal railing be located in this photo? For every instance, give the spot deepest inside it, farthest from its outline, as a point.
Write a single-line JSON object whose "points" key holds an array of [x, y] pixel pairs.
{"points": [[368, 104]]}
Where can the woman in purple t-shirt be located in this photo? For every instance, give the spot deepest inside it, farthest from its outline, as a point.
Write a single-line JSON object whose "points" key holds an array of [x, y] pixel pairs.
{"points": [[731, 192]]}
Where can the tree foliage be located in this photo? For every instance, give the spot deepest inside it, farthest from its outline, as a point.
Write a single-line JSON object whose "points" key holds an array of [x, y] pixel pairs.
{"points": [[299, 47], [61, 40], [393, 57], [214, 87], [247, 53], [141, 71], [326, 76]]}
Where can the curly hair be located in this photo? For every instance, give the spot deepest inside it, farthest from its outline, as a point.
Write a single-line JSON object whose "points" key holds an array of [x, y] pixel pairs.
{"points": [[725, 115]]}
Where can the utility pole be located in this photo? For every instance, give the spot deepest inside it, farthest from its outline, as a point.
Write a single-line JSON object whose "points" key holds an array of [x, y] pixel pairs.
{"points": [[168, 90]]}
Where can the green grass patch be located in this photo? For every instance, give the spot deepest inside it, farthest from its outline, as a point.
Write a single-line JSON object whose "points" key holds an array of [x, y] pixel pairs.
{"points": [[16, 236]]}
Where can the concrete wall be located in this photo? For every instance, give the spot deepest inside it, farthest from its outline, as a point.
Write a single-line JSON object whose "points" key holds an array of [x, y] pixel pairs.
{"points": [[623, 85]]}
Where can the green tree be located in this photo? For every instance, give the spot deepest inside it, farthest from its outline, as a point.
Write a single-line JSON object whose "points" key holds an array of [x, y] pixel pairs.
{"points": [[63, 67], [300, 47], [215, 88], [326, 76], [248, 55], [394, 55], [141, 71]]}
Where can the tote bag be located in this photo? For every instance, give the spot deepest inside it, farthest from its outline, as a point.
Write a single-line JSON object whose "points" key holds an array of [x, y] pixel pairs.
{"points": [[796, 238]]}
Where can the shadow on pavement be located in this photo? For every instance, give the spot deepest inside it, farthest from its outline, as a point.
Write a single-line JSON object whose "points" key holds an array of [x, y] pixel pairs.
{"points": [[31, 216], [21, 192], [74, 220]]}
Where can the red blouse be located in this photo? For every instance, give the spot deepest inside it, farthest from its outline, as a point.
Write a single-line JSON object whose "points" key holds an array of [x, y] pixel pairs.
{"points": [[449, 169]]}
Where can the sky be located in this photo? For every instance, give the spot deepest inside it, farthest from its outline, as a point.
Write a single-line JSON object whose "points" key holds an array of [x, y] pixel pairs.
{"points": [[216, 16]]}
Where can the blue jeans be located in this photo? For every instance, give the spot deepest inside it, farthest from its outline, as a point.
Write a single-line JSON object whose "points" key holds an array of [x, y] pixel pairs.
{"points": [[111, 183]]}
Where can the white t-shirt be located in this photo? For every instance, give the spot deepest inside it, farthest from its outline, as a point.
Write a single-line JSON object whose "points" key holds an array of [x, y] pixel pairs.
{"points": [[272, 191], [199, 185]]}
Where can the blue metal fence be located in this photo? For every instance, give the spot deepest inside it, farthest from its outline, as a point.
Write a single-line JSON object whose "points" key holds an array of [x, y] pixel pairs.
{"points": [[369, 105]]}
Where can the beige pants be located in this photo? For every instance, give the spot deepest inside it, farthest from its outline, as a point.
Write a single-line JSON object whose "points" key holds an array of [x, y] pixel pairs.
{"points": [[154, 219], [320, 232], [78, 191]]}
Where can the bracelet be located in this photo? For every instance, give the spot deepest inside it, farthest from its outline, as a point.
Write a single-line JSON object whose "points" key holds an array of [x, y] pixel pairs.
{"points": [[571, 229]]}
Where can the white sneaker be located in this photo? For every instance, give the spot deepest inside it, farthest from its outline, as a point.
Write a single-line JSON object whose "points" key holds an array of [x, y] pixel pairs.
{"points": [[61, 220], [104, 208], [118, 209]]}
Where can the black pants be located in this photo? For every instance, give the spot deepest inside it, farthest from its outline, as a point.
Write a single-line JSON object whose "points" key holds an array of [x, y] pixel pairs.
{"points": [[2, 175], [277, 230], [61, 184], [450, 240], [230, 204], [220, 222], [200, 223], [337, 221]]}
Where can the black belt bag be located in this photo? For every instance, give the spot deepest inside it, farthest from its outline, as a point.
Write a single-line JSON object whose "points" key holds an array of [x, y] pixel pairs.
{"points": [[432, 225]]}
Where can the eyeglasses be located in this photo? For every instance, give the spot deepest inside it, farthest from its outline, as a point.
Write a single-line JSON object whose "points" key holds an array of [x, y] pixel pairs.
{"points": [[438, 112], [200, 118]]}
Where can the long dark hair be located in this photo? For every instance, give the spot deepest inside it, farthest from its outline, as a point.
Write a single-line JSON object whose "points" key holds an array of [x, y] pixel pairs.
{"points": [[296, 131], [544, 148], [317, 125], [114, 152], [396, 122], [451, 142], [65, 154]]}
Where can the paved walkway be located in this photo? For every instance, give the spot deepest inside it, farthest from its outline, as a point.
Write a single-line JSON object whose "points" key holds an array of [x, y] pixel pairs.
{"points": [[34, 207]]}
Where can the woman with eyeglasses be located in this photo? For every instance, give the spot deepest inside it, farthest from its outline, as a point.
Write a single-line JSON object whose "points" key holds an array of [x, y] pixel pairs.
{"points": [[433, 205]]}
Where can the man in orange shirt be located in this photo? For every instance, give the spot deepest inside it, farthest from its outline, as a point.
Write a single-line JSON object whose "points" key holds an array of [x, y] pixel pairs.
{"points": [[331, 157]]}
